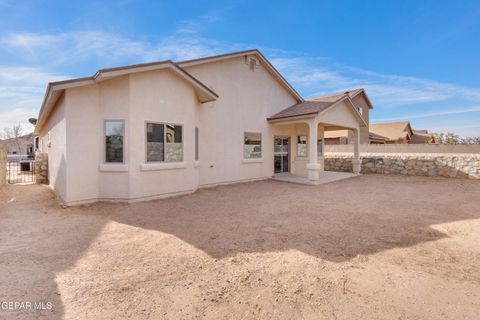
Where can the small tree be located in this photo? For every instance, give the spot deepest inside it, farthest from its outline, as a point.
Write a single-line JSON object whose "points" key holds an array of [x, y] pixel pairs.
{"points": [[15, 132], [451, 138]]}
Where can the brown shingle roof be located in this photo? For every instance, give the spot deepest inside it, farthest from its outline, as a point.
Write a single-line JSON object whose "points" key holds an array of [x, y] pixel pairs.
{"points": [[392, 130], [314, 105], [302, 108]]}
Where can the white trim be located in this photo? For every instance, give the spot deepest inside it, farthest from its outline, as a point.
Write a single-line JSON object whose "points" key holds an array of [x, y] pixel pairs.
{"points": [[196, 164], [113, 167], [253, 160], [163, 166]]}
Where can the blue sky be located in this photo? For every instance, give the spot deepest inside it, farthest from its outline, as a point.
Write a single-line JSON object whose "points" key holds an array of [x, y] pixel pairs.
{"points": [[418, 60]]}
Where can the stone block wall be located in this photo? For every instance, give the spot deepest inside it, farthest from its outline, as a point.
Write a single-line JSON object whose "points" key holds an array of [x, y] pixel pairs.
{"points": [[440, 165], [41, 168], [3, 164]]}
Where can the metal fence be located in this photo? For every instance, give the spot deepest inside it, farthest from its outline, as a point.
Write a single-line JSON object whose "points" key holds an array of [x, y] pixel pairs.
{"points": [[22, 171]]}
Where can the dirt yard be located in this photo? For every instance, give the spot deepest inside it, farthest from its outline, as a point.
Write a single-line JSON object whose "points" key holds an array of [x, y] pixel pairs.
{"points": [[373, 247]]}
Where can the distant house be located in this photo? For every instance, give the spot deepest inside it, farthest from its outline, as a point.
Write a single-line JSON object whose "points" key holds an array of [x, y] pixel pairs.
{"points": [[399, 132], [20, 146], [421, 136]]}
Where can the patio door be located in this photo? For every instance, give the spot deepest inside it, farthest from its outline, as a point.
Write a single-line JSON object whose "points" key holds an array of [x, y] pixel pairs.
{"points": [[281, 147]]}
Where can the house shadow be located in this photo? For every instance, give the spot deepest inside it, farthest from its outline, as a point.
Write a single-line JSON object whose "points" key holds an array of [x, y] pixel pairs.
{"points": [[39, 240], [335, 222]]}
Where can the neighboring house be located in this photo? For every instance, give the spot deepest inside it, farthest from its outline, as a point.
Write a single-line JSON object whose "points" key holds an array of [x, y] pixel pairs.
{"points": [[161, 129], [400, 132], [395, 132], [421, 136], [22, 146]]}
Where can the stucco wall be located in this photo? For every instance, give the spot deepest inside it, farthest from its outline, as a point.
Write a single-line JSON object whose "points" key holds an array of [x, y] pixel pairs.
{"points": [[443, 165], [3, 164], [364, 132], [247, 99], [161, 96], [53, 140]]}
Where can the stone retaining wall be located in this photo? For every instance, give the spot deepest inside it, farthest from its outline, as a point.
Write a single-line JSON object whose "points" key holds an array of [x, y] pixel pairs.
{"points": [[3, 164], [442, 165], [41, 168]]}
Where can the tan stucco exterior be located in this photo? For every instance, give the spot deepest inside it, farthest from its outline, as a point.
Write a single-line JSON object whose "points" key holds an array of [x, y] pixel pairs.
{"points": [[246, 98]]}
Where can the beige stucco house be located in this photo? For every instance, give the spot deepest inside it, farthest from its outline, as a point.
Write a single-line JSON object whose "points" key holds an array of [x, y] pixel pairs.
{"points": [[400, 132], [161, 129]]}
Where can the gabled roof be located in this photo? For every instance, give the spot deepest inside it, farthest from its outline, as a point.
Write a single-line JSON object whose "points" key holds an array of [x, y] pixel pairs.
{"points": [[264, 61], [377, 137], [392, 130], [55, 89], [316, 106], [352, 93]]}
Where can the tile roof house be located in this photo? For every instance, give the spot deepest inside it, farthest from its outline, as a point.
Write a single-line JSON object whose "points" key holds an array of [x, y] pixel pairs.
{"points": [[166, 128], [400, 132]]}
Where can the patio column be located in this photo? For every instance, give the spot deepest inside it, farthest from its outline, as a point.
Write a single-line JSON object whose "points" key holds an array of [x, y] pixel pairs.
{"points": [[356, 162], [313, 167]]}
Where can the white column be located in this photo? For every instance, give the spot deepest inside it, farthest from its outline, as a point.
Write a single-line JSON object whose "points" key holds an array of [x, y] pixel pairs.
{"points": [[313, 167], [356, 162]]}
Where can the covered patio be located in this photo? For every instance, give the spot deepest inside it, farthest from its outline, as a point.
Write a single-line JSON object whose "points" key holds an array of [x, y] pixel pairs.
{"points": [[303, 126]]}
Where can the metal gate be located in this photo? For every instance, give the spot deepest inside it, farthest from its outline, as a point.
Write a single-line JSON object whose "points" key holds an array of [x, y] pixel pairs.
{"points": [[21, 171]]}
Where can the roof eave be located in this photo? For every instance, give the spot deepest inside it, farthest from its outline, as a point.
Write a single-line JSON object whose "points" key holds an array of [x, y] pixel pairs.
{"points": [[264, 60]]}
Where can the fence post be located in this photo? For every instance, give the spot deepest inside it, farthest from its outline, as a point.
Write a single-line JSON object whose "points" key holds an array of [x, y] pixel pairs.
{"points": [[3, 164]]}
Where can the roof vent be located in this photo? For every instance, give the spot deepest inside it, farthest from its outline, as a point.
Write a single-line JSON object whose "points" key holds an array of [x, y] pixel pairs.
{"points": [[252, 62]]}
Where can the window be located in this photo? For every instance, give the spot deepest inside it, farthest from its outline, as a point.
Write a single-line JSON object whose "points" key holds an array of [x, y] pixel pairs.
{"points": [[302, 146], [37, 143], [196, 144], [114, 131], [164, 142], [252, 145], [320, 147]]}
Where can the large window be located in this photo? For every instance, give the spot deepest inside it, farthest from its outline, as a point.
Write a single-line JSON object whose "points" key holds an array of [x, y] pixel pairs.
{"points": [[252, 146], [302, 146], [164, 142], [114, 132]]}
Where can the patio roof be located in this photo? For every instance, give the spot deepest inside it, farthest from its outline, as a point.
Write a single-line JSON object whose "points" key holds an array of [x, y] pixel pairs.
{"points": [[318, 105]]}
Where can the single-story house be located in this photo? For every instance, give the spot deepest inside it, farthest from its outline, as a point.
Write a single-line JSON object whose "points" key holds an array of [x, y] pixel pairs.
{"points": [[166, 128], [400, 132]]}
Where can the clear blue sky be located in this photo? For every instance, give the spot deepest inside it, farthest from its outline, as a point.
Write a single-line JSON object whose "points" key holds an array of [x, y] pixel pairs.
{"points": [[418, 60]]}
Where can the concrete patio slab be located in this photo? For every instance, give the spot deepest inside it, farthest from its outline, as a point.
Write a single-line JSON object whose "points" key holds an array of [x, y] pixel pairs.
{"points": [[325, 177]]}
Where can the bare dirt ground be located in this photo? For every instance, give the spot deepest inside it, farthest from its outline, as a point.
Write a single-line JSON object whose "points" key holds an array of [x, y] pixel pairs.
{"points": [[373, 247]]}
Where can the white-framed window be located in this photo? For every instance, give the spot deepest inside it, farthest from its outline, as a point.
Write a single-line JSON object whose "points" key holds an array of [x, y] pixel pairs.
{"points": [[302, 146], [164, 142], [114, 131], [252, 145]]}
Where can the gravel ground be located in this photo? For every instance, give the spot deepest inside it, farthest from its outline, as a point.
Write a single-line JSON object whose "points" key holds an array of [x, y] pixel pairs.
{"points": [[372, 247]]}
